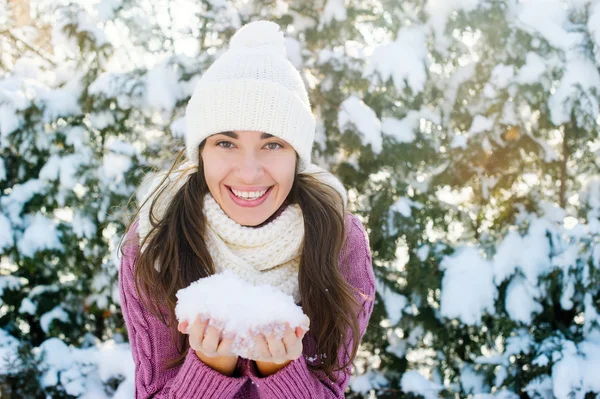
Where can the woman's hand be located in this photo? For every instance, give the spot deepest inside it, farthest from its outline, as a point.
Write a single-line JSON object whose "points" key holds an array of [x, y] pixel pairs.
{"points": [[210, 345], [207, 337], [272, 353]]}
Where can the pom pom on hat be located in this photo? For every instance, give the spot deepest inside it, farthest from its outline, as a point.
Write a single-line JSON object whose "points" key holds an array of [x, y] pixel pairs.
{"points": [[259, 33]]}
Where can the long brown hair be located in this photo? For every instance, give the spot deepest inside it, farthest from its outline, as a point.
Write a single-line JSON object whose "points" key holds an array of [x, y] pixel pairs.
{"points": [[176, 243]]}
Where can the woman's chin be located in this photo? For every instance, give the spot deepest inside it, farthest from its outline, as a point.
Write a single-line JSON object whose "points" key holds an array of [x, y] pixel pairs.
{"points": [[248, 220]]}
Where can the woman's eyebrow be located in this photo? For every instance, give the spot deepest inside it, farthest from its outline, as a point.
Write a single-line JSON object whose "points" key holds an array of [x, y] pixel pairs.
{"points": [[234, 135]]}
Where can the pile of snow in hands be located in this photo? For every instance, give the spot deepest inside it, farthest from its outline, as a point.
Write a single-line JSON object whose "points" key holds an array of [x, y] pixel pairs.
{"points": [[239, 308]]}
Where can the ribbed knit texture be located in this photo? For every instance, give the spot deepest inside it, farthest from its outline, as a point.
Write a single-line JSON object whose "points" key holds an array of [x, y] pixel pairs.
{"points": [[151, 342], [266, 255], [252, 86]]}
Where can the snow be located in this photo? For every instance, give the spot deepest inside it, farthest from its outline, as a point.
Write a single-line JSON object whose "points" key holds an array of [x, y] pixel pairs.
{"points": [[461, 75], [178, 127], [534, 68], [394, 303], [64, 169], [397, 345], [122, 87], [552, 212], [520, 300], [580, 79], [21, 193], [77, 136], [423, 252], [40, 234], [414, 382], [83, 372], [548, 21], [162, 87], [83, 226], [590, 196], [502, 75], [454, 197], [105, 9], [354, 111], [403, 206], [239, 307], [114, 166], [529, 254], [6, 234], [57, 313], [540, 386], [101, 120], [12, 98], [8, 352], [120, 146], [368, 381], [576, 372], [439, 11], [500, 394], [293, 51], [334, 10], [471, 381], [594, 27], [468, 289], [459, 142], [403, 130], [27, 306], [404, 61], [481, 124], [62, 101]]}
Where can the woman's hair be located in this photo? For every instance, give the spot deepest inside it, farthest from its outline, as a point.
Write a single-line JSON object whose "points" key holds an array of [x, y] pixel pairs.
{"points": [[176, 243]]}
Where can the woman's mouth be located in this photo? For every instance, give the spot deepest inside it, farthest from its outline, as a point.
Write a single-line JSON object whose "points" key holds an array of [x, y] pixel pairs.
{"points": [[249, 198]]}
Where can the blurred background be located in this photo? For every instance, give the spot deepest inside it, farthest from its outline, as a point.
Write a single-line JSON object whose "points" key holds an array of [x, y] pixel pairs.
{"points": [[466, 132]]}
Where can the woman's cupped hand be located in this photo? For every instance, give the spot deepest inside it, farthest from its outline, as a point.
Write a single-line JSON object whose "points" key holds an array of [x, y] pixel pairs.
{"points": [[207, 337], [278, 348]]}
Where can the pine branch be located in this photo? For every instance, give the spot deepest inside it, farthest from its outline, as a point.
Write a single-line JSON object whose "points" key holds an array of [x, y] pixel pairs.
{"points": [[29, 46]]}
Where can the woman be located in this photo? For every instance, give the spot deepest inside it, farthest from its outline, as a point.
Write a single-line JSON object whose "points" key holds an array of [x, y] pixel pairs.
{"points": [[249, 200]]}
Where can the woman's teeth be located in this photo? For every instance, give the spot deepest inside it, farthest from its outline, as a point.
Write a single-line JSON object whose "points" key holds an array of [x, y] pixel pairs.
{"points": [[249, 195]]}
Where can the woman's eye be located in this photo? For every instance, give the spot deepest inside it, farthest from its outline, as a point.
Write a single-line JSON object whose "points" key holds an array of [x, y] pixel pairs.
{"points": [[277, 145], [224, 144]]}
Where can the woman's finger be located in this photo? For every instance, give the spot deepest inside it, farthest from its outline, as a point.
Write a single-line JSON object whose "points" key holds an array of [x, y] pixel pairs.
{"points": [[211, 340], [261, 348], [182, 327], [225, 346], [277, 349], [292, 342], [196, 333]]}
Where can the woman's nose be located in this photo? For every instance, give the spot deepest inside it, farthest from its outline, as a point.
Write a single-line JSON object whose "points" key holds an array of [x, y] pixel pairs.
{"points": [[250, 169]]}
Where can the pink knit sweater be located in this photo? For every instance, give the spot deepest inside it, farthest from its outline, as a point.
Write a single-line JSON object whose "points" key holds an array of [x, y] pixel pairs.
{"points": [[151, 342]]}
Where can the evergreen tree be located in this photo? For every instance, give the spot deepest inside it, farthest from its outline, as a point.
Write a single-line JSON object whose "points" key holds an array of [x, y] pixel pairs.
{"points": [[465, 131]]}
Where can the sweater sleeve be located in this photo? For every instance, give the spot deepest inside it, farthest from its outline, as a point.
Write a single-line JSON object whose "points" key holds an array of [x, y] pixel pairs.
{"points": [[151, 344], [296, 379]]}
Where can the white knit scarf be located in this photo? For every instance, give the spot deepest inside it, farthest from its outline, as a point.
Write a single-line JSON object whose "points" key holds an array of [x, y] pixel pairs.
{"points": [[269, 254]]}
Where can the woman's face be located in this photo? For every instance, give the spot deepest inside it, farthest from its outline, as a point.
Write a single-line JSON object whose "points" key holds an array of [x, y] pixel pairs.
{"points": [[248, 173]]}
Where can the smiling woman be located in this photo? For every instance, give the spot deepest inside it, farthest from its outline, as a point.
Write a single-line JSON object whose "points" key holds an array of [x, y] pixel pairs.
{"points": [[247, 200]]}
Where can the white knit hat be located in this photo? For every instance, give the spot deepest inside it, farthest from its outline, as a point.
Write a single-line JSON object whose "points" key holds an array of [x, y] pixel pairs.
{"points": [[252, 86]]}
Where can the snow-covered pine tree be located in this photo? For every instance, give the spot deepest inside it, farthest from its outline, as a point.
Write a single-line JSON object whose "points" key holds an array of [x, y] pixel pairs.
{"points": [[489, 263], [68, 165]]}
